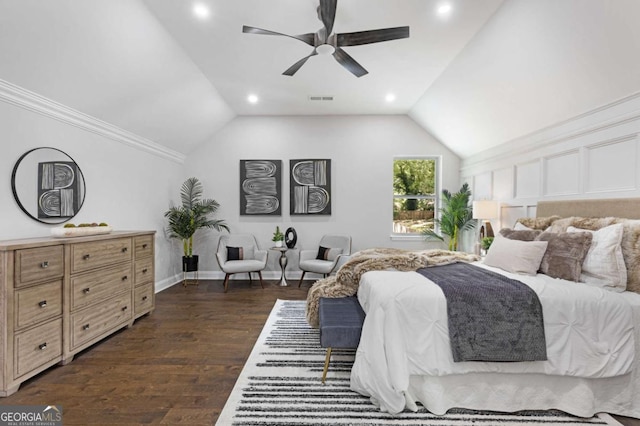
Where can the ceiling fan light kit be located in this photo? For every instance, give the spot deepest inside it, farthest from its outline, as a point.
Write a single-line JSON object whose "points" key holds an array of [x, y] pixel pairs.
{"points": [[324, 42]]}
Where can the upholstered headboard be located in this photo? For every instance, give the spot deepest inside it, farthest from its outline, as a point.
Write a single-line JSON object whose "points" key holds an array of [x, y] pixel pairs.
{"points": [[628, 208]]}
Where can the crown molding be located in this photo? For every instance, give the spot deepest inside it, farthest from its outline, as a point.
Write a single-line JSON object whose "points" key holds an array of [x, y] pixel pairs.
{"points": [[16, 95]]}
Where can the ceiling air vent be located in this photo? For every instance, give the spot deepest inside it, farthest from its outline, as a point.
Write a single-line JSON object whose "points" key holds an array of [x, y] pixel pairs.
{"points": [[320, 98]]}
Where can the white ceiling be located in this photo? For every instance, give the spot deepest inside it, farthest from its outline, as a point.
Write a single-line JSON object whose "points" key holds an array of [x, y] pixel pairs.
{"points": [[486, 74], [238, 64]]}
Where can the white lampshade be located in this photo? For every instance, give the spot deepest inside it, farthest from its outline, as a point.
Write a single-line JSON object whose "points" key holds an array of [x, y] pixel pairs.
{"points": [[485, 209]]}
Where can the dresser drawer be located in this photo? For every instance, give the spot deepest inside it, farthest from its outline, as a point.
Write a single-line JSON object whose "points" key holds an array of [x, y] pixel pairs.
{"points": [[94, 321], [37, 304], [143, 246], [144, 270], [36, 347], [143, 298], [86, 256], [38, 264], [93, 287]]}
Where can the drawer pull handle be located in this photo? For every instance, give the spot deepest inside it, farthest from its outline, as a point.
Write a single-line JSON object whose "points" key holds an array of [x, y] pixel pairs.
{"points": [[144, 246], [43, 304], [43, 346], [124, 308], [124, 249], [145, 298], [144, 271], [125, 278], [85, 327], [86, 257], [86, 290], [44, 264]]}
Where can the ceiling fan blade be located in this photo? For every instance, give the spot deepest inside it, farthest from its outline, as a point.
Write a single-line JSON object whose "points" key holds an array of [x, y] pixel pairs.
{"points": [[349, 63], [373, 36], [327, 12], [306, 38], [295, 67]]}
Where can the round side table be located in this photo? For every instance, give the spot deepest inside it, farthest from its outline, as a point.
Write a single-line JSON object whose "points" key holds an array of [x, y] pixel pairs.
{"points": [[283, 264]]}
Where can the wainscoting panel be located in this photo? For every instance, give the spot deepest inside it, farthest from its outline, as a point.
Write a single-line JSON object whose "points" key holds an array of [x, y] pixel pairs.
{"points": [[503, 184], [528, 180], [562, 173], [510, 213], [612, 165], [482, 186], [592, 155]]}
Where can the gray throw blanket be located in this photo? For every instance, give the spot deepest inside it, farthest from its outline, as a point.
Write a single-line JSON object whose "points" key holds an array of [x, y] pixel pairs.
{"points": [[491, 317]]}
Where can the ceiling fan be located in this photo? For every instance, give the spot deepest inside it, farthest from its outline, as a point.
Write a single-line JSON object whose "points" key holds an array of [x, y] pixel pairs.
{"points": [[323, 41]]}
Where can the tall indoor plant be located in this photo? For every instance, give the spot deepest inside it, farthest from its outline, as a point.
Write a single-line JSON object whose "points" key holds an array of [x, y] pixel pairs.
{"points": [[456, 215], [191, 215]]}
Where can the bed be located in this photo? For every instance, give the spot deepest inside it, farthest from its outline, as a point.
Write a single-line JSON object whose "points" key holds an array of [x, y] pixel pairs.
{"points": [[593, 341]]}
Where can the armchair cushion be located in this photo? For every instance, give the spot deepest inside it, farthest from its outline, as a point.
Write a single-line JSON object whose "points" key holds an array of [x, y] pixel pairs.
{"points": [[239, 253], [328, 253], [317, 266], [235, 266]]}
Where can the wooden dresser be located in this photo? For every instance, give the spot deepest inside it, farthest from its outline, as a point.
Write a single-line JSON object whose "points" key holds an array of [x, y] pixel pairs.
{"points": [[59, 296]]}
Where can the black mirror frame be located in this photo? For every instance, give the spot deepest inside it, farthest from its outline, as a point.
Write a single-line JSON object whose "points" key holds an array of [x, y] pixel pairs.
{"points": [[15, 191]]}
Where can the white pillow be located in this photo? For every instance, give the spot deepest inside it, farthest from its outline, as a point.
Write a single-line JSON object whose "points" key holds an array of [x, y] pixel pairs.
{"points": [[604, 265], [519, 257]]}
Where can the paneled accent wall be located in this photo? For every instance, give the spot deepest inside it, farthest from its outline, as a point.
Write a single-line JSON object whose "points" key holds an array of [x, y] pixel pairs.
{"points": [[594, 155]]}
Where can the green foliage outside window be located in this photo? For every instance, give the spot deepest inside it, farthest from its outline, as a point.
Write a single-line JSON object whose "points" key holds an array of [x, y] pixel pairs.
{"points": [[414, 189]]}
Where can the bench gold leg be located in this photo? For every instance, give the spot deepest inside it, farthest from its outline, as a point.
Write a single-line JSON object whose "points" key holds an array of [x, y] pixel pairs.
{"points": [[326, 364]]}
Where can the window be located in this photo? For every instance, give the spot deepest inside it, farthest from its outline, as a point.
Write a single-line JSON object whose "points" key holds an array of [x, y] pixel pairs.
{"points": [[415, 194]]}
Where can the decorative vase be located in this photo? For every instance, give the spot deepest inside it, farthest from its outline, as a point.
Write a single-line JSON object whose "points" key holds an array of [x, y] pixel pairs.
{"points": [[279, 243], [190, 264], [290, 238]]}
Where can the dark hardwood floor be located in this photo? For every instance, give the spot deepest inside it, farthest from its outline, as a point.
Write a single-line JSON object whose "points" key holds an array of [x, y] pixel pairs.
{"points": [[174, 367]]}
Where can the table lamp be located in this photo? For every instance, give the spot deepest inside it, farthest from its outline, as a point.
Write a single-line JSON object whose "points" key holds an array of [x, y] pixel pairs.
{"points": [[484, 210]]}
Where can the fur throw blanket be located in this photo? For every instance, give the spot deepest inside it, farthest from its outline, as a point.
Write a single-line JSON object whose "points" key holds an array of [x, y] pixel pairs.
{"points": [[347, 279]]}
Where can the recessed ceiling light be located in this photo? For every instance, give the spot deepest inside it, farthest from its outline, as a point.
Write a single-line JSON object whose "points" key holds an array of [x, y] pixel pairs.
{"points": [[390, 97], [444, 9], [252, 99], [201, 10]]}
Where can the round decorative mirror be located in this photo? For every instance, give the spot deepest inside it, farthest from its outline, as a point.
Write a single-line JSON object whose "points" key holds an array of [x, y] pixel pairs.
{"points": [[48, 185]]}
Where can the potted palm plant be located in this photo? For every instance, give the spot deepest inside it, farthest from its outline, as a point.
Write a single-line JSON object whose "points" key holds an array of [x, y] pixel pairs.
{"points": [[456, 215], [191, 215]]}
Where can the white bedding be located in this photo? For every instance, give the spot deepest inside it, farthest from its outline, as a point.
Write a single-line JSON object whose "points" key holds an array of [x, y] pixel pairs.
{"points": [[589, 333]]}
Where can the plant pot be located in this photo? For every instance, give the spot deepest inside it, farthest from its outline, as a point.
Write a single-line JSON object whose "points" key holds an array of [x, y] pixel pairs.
{"points": [[278, 243], [190, 264]]}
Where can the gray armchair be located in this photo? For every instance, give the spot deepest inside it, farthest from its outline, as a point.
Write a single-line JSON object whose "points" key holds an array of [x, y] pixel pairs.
{"points": [[324, 259], [239, 253]]}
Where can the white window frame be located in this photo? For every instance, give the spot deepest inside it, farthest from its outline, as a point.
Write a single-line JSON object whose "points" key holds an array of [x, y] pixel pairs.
{"points": [[436, 197]]}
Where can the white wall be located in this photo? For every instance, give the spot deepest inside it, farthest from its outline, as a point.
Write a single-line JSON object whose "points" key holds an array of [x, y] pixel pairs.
{"points": [[593, 155], [126, 187], [361, 149]]}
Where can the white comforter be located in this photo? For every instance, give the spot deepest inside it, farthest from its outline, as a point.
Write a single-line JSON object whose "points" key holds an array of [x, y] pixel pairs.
{"points": [[589, 333]]}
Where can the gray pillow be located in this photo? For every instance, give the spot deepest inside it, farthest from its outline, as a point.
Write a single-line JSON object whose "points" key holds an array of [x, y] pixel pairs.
{"points": [[565, 254], [522, 235]]}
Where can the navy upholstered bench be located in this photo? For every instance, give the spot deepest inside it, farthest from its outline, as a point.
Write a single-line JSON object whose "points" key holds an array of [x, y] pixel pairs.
{"points": [[341, 322]]}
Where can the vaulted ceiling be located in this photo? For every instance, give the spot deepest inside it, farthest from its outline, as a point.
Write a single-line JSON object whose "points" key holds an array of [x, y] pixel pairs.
{"points": [[485, 73]]}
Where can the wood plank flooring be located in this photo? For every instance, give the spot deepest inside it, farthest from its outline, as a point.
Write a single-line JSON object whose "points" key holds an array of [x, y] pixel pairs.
{"points": [[174, 367]]}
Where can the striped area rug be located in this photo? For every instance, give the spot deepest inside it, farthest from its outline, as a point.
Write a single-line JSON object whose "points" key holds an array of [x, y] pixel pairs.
{"points": [[280, 385]]}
